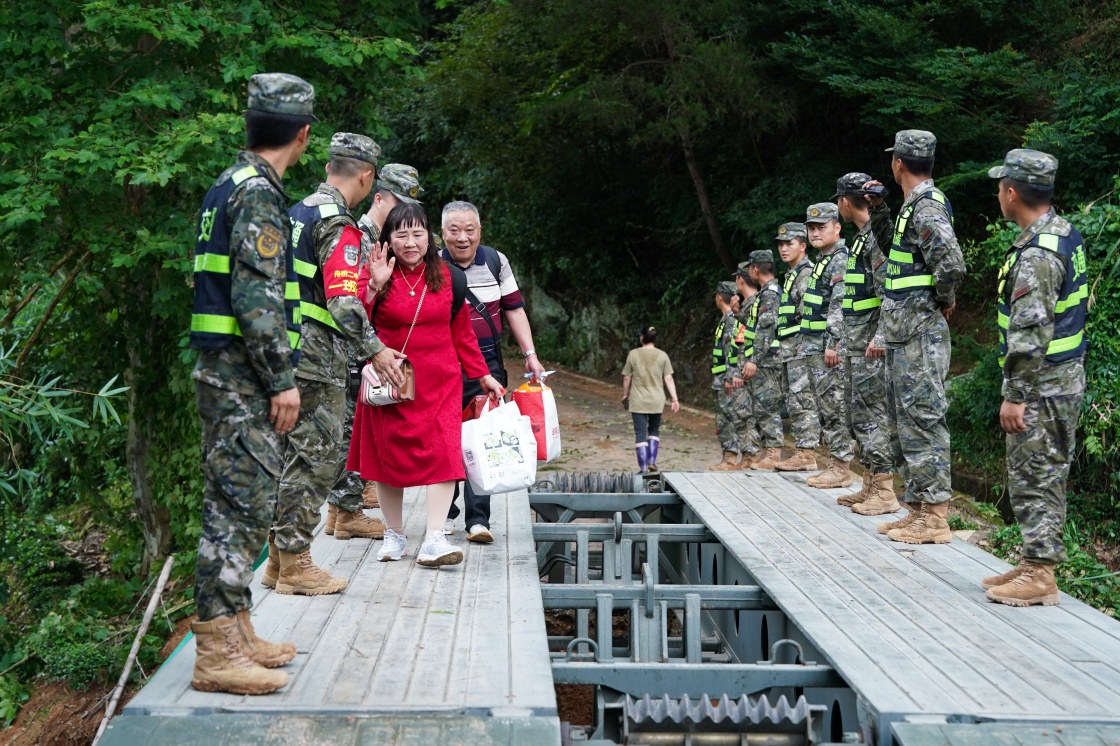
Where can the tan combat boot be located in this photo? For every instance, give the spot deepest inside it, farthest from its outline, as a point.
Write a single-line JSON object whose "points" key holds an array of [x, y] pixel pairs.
{"points": [[1033, 586], [853, 498], [221, 664], [912, 511], [881, 499], [358, 525], [767, 459], [272, 565], [748, 460], [993, 580], [727, 464], [838, 474], [930, 527], [369, 496], [803, 459], [299, 575], [332, 519], [262, 652]]}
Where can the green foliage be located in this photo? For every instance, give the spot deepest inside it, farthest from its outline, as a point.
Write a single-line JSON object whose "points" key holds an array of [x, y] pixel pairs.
{"points": [[12, 696], [960, 523]]}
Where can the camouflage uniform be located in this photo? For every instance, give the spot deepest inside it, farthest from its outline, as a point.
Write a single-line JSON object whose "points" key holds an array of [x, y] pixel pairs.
{"points": [[868, 418], [1030, 290], [917, 335], [242, 455], [725, 415], [767, 381], [742, 399], [797, 384], [315, 457], [829, 383]]}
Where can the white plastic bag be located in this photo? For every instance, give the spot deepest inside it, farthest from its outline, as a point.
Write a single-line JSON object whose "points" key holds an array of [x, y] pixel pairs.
{"points": [[499, 450]]}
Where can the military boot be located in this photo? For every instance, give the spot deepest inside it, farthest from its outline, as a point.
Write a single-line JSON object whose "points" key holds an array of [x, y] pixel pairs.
{"points": [[299, 575], [853, 498], [221, 664], [262, 652], [767, 459], [881, 499], [1034, 585], [748, 460], [838, 474], [369, 496], [993, 580], [272, 565], [358, 525], [727, 464], [803, 459], [912, 511], [332, 519], [930, 527]]}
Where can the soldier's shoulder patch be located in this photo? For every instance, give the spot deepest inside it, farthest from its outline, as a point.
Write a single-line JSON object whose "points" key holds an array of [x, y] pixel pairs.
{"points": [[269, 241], [350, 245], [1021, 288]]}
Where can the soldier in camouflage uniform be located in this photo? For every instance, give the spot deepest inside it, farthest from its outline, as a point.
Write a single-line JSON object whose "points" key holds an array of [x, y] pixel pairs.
{"points": [[868, 418], [396, 183], [245, 324], [742, 396], [328, 251], [725, 359], [762, 367], [822, 329], [798, 384], [1043, 305], [924, 268]]}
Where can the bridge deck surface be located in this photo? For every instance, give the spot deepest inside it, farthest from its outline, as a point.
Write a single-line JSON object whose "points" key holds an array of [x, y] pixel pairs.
{"points": [[908, 626], [402, 640]]}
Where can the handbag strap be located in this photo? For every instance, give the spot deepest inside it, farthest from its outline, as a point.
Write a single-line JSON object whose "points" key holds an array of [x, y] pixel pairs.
{"points": [[412, 326]]}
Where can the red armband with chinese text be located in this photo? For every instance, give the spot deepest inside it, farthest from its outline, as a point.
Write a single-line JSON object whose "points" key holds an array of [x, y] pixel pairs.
{"points": [[340, 273]]}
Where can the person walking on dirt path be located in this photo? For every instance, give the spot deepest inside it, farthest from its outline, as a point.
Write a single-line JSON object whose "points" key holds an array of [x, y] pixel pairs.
{"points": [[797, 385], [924, 268], [645, 377], [328, 250], [245, 326], [725, 369], [1043, 305], [492, 295], [396, 183], [742, 397], [862, 346], [762, 364], [822, 328]]}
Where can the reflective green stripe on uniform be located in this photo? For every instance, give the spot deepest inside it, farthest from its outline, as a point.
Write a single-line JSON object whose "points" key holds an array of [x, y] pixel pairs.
{"points": [[208, 323], [901, 273], [320, 314]]}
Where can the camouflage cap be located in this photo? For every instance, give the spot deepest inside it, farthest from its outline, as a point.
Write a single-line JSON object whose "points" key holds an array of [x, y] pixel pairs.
{"points": [[788, 231], [726, 286], [761, 256], [349, 145], [402, 181], [851, 183], [281, 93], [822, 212], [914, 144], [1029, 166], [743, 270]]}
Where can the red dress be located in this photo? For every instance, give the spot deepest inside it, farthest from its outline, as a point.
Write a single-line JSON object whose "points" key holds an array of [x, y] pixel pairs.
{"points": [[419, 442]]}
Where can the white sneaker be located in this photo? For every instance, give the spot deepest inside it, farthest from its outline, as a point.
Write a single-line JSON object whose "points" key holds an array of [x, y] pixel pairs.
{"points": [[437, 551], [395, 547], [449, 527], [480, 534]]}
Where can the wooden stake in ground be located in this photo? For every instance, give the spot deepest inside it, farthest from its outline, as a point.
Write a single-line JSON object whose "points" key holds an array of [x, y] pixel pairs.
{"points": [[157, 594]]}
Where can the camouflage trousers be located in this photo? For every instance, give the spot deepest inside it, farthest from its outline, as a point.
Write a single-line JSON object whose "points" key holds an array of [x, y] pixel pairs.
{"points": [[312, 462], [829, 392], [743, 418], [916, 374], [242, 457], [767, 389], [347, 490], [1037, 468], [868, 418], [725, 422], [804, 423]]}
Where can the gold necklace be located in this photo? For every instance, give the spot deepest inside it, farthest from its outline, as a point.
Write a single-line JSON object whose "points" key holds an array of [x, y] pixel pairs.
{"points": [[412, 287]]}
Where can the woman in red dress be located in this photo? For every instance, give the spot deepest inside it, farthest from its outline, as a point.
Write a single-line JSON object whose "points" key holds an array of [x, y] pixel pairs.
{"points": [[419, 442]]}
